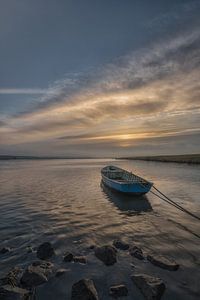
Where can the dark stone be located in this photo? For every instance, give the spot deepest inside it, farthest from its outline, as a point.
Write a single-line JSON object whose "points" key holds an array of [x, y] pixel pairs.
{"points": [[8, 292], [4, 250], [36, 263], [84, 290], [80, 259], [151, 287], [136, 252], [91, 247], [68, 257], [60, 272], [120, 245], [45, 251], [106, 254], [45, 267], [29, 249], [163, 262], [33, 276], [12, 278], [42, 264], [118, 291]]}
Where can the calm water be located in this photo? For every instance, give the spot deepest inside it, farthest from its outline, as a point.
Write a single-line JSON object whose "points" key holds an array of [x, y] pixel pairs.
{"points": [[63, 201]]}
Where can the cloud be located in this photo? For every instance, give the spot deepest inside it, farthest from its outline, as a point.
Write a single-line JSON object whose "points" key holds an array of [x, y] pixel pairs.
{"points": [[23, 91], [152, 92], [160, 61]]}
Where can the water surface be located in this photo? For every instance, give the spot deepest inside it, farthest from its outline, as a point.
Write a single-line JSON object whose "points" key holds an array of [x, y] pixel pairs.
{"points": [[64, 202]]}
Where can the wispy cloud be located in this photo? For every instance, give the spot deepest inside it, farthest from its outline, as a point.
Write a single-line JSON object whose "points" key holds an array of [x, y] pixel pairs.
{"points": [[182, 14], [24, 91]]}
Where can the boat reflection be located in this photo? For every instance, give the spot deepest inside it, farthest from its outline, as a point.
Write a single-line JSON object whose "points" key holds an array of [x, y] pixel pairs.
{"points": [[128, 204]]}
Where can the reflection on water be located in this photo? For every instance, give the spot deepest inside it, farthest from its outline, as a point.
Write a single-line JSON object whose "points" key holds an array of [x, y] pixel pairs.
{"points": [[128, 204]]}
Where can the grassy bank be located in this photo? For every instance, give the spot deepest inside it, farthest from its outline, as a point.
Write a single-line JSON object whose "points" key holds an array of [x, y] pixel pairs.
{"points": [[187, 158]]}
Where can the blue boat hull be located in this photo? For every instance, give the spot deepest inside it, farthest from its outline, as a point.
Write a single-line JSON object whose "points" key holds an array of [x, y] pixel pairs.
{"points": [[128, 188]]}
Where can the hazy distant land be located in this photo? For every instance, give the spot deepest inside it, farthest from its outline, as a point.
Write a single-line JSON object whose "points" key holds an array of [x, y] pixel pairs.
{"points": [[187, 158], [12, 157]]}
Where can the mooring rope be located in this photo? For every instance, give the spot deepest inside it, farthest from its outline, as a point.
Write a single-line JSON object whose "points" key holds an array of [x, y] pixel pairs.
{"points": [[170, 201], [162, 198]]}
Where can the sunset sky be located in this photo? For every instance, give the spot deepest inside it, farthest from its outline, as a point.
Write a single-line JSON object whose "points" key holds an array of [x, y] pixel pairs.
{"points": [[99, 77]]}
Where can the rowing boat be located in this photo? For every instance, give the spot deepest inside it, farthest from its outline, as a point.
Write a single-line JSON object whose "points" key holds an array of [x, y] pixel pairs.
{"points": [[124, 181]]}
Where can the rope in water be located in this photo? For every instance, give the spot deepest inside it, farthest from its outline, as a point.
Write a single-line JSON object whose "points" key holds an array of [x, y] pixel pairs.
{"points": [[170, 201]]}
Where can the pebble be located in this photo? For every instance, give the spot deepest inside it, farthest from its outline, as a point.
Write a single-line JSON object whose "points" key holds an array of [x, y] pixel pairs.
{"points": [[118, 291], [119, 244], [136, 252]]}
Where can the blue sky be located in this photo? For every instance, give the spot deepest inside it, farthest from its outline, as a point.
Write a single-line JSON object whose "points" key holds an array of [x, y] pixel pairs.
{"points": [[99, 78]]}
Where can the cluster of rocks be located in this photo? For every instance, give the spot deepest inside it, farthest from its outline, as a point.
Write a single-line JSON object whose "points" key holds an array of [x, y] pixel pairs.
{"points": [[157, 260], [21, 284], [150, 286]]}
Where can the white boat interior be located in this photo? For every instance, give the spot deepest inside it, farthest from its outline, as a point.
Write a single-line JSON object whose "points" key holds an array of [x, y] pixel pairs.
{"points": [[123, 176]]}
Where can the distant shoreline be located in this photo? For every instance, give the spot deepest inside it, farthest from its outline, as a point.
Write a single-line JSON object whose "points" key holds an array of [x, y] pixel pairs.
{"points": [[16, 157], [187, 158]]}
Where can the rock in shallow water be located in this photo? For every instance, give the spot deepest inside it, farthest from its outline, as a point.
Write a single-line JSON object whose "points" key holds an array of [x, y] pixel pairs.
{"points": [[45, 251], [118, 291], [68, 257], [33, 276], [151, 287], [84, 290], [12, 278], [4, 250], [119, 244], [106, 254], [9, 292], [80, 259], [163, 262], [45, 267], [42, 264], [136, 252]]}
